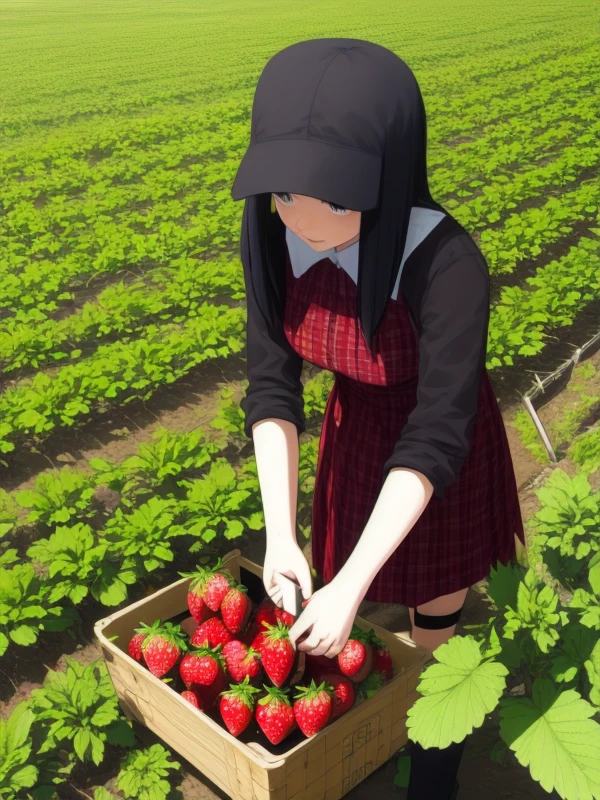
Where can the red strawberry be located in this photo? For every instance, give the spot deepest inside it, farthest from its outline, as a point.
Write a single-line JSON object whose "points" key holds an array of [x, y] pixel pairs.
{"points": [[277, 653], [312, 708], [196, 604], [212, 632], [236, 608], [218, 582], [265, 613], [192, 698], [344, 694], [371, 684], [241, 661], [275, 715], [284, 616], [201, 667], [356, 659], [162, 646], [209, 695], [382, 658], [134, 648], [237, 706]]}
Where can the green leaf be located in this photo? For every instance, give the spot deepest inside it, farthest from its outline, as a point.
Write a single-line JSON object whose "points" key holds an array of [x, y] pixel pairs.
{"points": [[402, 777], [554, 737], [81, 742], [457, 694], [105, 714], [503, 585], [24, 635]]}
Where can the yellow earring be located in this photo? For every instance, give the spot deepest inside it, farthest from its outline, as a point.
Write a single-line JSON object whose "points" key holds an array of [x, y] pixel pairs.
{"points": [[273, 209]]}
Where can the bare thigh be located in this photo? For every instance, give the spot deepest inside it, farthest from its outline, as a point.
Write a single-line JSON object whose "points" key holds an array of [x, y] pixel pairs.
{"points": [[446, 604]]}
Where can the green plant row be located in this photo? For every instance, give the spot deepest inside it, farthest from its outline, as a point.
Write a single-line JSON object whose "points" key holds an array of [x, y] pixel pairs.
{"points": [[33, 232], [518, 326], [521, 319], [118, 373], [496, 193], [122, 310], [535, 665]]}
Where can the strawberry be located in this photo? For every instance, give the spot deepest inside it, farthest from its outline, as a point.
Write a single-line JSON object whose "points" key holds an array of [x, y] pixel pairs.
{"points": [[236, 608], [241, 661], [356, 659], [284, 616], [134, 648], [237, 706], [265, 612], [344, 694], [312, 707], [277, 653], [382, 658], [217, 584], [192, 698], [212, 632], [209, 695], [275, 715], [197, 606], [201, 666], [371, 684], [162, 646]]}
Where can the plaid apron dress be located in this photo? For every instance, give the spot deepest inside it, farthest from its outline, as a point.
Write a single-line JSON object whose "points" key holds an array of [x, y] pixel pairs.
{"points": [[458, 537]]}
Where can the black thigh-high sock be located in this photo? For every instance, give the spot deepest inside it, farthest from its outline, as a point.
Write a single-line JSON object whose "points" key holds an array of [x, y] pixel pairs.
{"points": [[433, 771]]}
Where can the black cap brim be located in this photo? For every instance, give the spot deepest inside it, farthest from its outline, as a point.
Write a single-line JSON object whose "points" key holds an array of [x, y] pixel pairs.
{"points": [[341, 175]]}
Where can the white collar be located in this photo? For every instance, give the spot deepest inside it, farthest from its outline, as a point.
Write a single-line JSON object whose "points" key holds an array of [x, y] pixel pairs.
{"points": [[302, 256]]}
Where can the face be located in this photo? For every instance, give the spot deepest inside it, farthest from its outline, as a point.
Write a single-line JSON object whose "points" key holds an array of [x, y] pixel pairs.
{"points": [[320, 224]]}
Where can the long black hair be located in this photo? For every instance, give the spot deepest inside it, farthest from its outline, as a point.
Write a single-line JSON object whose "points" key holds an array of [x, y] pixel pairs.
{"points": [[370, 104]]}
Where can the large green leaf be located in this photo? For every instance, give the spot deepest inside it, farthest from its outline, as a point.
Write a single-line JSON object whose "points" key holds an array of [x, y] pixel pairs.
{"points": [[553, 735], [503, 584], [457, 694]]}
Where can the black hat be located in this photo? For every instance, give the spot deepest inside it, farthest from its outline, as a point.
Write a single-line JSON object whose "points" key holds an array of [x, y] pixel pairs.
{"points": [[341, 120], [310, 134]]}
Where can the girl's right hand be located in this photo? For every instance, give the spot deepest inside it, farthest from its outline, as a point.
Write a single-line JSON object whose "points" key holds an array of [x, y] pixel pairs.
{"points": [[284, 556]]}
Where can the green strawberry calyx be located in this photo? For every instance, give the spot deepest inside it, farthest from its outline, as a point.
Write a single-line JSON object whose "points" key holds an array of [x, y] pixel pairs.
{"points": [[169, 633], [275, 632], [313, 691], [213, 652], [242, 691], [275, 695], [199, 578]]}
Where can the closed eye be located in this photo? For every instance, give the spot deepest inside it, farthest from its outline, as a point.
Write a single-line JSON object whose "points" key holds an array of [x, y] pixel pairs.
{"points": [[284, 197]]}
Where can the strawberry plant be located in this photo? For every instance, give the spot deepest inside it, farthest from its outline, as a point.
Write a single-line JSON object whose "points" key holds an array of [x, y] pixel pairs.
{"points": [[58, 496], [216, 505], [26, 610], [540, 639], [79, 563], [141, 536], [16, 773], [143, 773], [82, 712], [568, 524]]}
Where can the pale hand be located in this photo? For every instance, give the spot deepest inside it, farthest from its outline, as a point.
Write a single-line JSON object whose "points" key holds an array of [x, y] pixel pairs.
{"points": [[285, 556], [328, 619]]}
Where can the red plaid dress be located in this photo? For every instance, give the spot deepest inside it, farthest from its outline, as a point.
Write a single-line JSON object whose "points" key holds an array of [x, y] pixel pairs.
{"points": [[458, 537]]}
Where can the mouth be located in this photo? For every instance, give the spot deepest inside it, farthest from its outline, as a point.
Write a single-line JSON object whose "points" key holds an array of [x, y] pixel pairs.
{"points": [[314, 241]]}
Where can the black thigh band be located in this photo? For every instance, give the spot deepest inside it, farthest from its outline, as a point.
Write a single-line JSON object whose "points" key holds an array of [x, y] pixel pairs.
{"points": [[437, 623]]}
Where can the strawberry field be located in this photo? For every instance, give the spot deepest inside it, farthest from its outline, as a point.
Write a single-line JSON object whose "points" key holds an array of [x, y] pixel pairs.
{"points": [[122, 323]]}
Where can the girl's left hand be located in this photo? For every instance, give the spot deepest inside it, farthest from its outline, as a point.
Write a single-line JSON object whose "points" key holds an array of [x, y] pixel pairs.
{"points": [[328, 616]]}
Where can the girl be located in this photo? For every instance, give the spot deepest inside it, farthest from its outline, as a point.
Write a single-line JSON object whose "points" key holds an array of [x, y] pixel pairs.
{"points": [[351, 265]]}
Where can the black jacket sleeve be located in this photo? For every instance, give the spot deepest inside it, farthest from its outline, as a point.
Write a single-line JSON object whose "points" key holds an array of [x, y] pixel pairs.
{"points": [[274, 368], [454, 319]]}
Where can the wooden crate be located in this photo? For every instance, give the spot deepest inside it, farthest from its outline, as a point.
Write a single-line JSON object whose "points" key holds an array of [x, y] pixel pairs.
{"points": [[324, 767]]}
